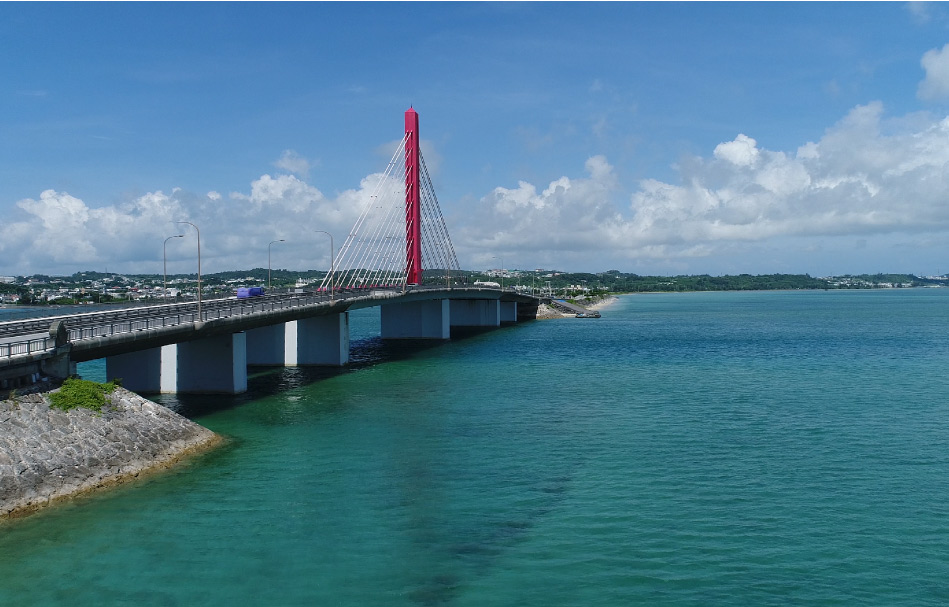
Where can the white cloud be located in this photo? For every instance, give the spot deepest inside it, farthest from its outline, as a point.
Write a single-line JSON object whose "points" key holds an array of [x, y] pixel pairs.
{"points": [[935, 86], [60, 233], [865, 177], [743, 151], [60, 229], [855, 180], [292, 162]]}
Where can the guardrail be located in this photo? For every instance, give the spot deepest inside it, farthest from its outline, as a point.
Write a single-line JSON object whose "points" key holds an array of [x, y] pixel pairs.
{"points": [[31, 346]]}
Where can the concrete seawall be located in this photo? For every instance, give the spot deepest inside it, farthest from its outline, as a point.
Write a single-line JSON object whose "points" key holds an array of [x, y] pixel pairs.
{"points": [[48, 454]]}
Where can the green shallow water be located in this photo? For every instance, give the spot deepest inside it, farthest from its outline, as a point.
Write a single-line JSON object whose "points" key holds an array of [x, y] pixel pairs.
{"points": [[689, 449]]}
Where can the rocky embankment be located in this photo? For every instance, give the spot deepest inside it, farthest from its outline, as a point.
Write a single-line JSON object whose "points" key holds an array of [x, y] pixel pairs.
{"points": [[47, 454]]}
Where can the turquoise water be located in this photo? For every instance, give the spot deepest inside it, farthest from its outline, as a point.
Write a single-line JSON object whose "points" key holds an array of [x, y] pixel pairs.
{"points": [[756, 448]]}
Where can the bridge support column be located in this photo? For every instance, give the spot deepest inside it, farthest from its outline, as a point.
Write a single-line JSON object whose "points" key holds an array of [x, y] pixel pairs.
{"points": [[169, 368], [416, 320], [139, 371], [320, 340], [475, 313], [267, 345], [508, 312], [213, 365]]}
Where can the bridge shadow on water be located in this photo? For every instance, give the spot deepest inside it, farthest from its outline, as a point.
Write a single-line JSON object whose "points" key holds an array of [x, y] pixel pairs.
{"points": [[264, 381]]}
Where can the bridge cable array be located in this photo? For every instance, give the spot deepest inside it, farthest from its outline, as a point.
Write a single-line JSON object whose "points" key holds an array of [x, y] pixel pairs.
{"points": [[374, 253]]}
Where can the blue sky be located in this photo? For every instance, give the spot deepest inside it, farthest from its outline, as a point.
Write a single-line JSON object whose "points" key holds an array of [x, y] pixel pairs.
{"points": [[660, 138]]}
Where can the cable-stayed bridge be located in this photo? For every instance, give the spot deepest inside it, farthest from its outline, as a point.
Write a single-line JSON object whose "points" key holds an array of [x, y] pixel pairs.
{"points": [[401, 230], [206, 346]]}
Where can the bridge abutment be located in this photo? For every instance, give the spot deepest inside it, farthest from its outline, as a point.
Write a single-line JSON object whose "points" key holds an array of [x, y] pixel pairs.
{"points": [[417, 320]]}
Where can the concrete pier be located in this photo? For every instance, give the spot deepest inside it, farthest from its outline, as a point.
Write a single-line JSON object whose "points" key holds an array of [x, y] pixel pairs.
{"points": [[475, 313], [417, 320], [267, 345], [321, 340], [139, 371], [508, 312], [213, 365]]}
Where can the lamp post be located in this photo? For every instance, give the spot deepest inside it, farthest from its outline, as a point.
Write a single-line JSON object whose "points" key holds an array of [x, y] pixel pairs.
{"points": [[268, 261], [332, 265], [164, 259], [199, 265], [501, 271]]}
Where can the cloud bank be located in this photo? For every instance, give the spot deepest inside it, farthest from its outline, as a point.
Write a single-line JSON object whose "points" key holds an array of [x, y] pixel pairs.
{"points": [[867, 178]]}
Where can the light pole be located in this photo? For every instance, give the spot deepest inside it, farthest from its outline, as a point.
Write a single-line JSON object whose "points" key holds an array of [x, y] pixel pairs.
{"points": [[199, 264], [502, 270], [332, 265], [268, 261], [164, 259]]}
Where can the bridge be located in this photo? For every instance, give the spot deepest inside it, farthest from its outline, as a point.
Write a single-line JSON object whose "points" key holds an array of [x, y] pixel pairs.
{"points": [[206, 346]]}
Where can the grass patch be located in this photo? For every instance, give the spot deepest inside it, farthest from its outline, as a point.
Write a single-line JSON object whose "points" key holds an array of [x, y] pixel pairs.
{"points": [[82, 393]]}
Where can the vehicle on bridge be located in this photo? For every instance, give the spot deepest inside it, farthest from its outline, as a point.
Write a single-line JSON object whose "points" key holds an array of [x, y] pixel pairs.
{"points": [[486, 283], [245, 292]]}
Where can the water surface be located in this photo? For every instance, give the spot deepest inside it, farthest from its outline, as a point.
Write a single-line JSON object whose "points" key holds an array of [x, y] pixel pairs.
{"points": [[757, 448]]}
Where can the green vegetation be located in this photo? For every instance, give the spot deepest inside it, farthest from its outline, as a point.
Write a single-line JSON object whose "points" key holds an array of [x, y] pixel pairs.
{"points": [[100, 288], [82, 393], [614, 281]]}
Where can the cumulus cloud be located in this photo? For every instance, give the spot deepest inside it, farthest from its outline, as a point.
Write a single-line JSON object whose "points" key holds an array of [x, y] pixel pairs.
{"points": [[935, 86], [743, 151], [58, 232], [866, 176], [59, 229], [567, 215]]}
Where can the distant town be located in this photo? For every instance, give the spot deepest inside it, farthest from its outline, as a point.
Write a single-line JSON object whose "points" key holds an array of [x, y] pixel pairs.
{"points": [[104, 287]]}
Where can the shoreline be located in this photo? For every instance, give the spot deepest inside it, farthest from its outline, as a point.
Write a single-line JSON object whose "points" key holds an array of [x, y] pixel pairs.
{"points": [[48, 456], [545, 312]]}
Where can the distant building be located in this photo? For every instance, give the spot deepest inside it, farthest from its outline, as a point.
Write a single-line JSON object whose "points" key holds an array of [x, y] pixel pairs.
{"points": [[8, 279]]}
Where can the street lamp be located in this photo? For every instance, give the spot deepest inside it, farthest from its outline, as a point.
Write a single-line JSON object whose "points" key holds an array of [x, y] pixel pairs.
{"points": [[502, 270], [164, 259], [332, 265], [268, 260], [199, 264]]}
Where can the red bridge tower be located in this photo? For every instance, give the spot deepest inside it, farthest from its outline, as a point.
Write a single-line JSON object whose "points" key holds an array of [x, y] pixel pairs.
{"points": [[413, 210]]}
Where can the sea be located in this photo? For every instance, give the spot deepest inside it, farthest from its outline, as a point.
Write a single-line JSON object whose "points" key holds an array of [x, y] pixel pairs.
{"points": [[699, 449]]}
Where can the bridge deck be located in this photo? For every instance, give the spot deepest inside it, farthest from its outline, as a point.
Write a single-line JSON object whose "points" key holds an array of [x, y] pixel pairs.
{"points": [[99, 334]]}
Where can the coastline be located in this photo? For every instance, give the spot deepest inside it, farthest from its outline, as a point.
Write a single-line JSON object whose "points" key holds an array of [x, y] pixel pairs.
{"points": [[48, 455], [545, 312], [603, 303]]}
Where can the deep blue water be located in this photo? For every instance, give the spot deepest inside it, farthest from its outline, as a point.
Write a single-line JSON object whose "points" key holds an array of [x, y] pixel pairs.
{"points": [[759, 448]]}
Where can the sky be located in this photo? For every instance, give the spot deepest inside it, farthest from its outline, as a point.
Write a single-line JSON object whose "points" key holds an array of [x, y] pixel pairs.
{"points": [[653, 138]]}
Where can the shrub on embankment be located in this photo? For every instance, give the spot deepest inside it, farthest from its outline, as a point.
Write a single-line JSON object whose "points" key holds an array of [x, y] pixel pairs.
{"points": [[77, 392]]}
